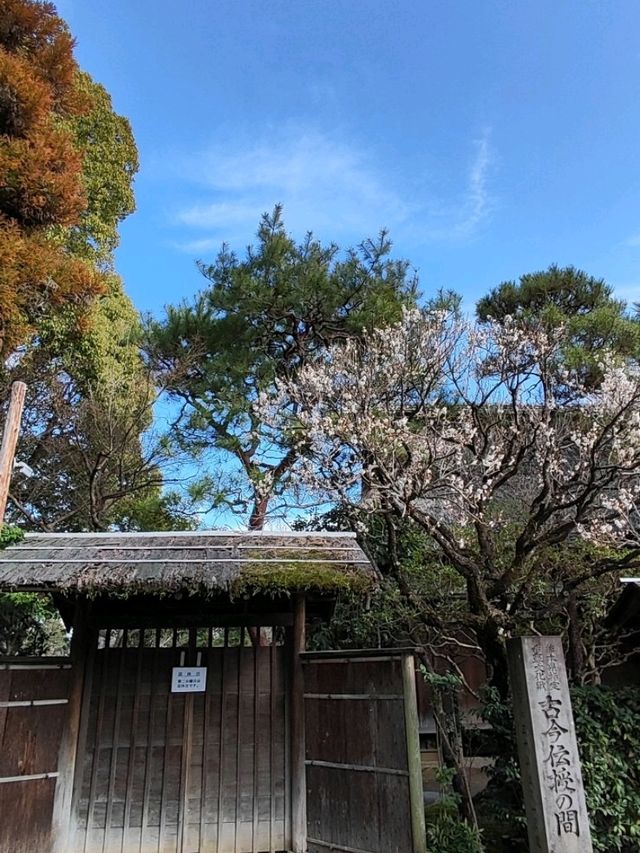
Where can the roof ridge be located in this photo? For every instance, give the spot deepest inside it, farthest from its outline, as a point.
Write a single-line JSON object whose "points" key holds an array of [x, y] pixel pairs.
{"points": [[258, 534]]}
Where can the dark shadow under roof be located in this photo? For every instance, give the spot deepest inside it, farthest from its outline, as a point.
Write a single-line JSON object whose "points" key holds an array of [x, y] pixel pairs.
{"points": [[213, 561], [625, 613]]}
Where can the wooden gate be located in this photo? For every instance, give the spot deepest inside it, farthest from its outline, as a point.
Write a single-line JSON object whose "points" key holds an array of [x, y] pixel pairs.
{"points": [[33, 708], [177, 772], [364, 785]]}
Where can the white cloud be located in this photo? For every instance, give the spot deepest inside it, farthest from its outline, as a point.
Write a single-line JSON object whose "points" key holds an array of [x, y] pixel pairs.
{"points": [[326, 185], [459, 219], [634, 240]]}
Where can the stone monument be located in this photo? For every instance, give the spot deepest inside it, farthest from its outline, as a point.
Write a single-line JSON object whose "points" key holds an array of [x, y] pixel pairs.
{"points": [[557, 819]]}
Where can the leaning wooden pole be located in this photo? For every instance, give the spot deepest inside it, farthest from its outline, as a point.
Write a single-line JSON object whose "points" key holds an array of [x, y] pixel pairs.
{"points": [[9, 442]]}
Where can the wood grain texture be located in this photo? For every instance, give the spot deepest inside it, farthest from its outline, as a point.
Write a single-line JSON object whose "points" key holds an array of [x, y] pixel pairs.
{"points": [[29, 741], [185, 772], [9, 442], [358, 768]]}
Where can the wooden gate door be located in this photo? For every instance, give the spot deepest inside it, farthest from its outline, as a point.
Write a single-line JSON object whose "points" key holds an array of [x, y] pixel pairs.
{"points": [[33, 709], [166, 772], [364, 783]]}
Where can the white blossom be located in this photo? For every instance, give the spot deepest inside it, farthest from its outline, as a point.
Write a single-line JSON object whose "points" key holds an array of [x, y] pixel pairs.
{"points": [[465, 425]]}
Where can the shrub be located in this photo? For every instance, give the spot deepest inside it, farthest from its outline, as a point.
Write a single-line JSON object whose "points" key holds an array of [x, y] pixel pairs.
{"points": [[608, 729]]}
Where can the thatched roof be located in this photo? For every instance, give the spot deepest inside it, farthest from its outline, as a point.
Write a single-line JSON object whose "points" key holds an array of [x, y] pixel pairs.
{"points": [[208, 562]]}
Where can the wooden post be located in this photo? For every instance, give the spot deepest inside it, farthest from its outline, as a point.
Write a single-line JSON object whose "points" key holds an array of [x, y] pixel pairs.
{"points": [[414, 764], [82, 642], [557, 820], [9, 442], [298, 752]]}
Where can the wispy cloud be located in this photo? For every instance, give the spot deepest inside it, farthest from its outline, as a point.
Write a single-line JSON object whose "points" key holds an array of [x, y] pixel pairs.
{"points": [[327, 185], [460, 217], [634, 240]]}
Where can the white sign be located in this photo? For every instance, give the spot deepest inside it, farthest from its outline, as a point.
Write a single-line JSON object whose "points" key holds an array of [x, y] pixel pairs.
{"points": [[188, 679]]}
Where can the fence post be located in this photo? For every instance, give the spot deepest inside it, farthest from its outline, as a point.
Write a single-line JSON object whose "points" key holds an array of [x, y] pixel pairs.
{"points": [[81, 653], [414, 764]]}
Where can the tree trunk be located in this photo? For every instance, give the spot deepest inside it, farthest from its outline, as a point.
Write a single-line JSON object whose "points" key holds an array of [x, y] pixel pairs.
{"points": [[259, 512], [256, 522], [576, 651], [448, 725], [495, 654]]}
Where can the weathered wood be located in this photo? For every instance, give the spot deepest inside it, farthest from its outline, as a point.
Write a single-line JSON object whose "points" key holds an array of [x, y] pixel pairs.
{"points": [[298, 769], [412, 735], [29, 740], [25, 816], [238, 742], [82, 647], [358, 776], [198, 801], [256, 738], [9, 442], [557, 819], [272, 715], [127, 842]]}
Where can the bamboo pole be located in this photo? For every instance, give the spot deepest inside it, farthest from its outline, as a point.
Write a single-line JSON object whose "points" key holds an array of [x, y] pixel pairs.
{"points": [[9, 442]]}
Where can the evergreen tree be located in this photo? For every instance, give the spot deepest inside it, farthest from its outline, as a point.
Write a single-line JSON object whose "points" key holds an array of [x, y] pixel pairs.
{"points": [[596, 322], [260, 318]]}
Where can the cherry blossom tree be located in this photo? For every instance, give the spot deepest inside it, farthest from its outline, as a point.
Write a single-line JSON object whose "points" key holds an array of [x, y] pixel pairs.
{"points": [[483, 439]]}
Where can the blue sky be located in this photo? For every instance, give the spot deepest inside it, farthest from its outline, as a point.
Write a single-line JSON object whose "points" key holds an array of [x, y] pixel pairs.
{"points": [[492, 137]]}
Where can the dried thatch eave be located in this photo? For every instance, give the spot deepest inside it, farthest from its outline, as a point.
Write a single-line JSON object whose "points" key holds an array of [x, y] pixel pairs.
{"points": [[196, 562]]}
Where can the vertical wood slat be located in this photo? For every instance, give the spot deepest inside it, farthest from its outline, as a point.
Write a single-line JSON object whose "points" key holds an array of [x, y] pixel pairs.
{"points": [[162, 816], [413, 754], [286, 710], [256, 698], [272, 715], [204, 776], [133, 733], [238, 741], [144, 822], [187, 750], [81, 648], [374, 724], [96, 743], [298, 767], [113, 764], [83, 730], [5, 692], [223, 701]]}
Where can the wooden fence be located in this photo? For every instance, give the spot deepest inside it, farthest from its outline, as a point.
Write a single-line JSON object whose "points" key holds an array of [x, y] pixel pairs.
{"points": [[33, 707], [364, 785]]}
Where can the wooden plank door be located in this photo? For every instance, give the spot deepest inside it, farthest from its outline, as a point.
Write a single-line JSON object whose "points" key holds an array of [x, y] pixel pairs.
{"points": [[165, 772], [33, 708], [364, 788]]}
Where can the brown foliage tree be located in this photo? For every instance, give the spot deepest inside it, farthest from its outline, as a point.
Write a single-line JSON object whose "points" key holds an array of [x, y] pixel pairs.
{"points": [[41, 182]]}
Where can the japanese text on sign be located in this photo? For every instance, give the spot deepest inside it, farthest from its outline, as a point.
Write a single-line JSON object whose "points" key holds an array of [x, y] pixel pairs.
{"points": [[559, 775], [188, 679]]}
